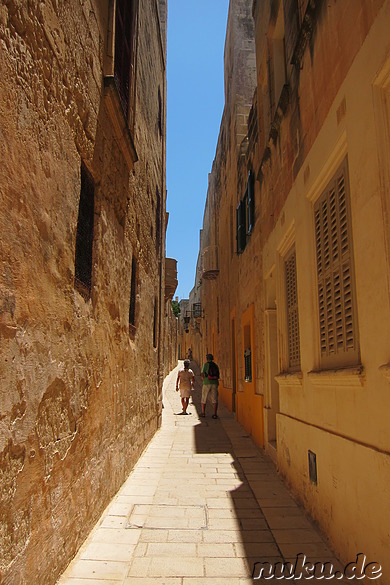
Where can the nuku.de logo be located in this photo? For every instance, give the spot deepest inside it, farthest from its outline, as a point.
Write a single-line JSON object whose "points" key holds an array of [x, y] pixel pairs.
{"points": [[303, 569]]}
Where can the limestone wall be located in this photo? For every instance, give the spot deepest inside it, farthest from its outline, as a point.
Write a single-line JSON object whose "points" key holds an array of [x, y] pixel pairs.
{"points": [[80, 391], [320, 104]]}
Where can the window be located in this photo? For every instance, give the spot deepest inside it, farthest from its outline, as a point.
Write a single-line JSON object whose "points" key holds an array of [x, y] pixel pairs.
{"points": [[248, 364], [337, 313], [84, 236], [294, 352], [124, 63], [155, 323], [250, 203], [278, 71], [245, 215], [133, 289], [197, 310], [160, 117], [158, 222], [247, 354]]}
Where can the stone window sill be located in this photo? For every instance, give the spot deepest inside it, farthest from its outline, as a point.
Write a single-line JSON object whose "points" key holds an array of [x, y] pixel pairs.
{"points": [[289, 379], [121, 129], [353, 376], [385, 371]]}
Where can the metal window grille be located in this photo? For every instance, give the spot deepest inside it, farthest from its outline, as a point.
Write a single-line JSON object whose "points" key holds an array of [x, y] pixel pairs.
{"points": [[294, 351], [155, 323], [160, 119], [250, 193], [241, 226], [248, 365], [84, 236], [196, 310], [158, 222], [312, 467], [133, 294], [337, 321], [124, 50]]}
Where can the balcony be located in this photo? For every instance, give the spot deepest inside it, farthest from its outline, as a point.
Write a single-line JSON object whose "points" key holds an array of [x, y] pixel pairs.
{"points": [[210, 266], [170, 278]]}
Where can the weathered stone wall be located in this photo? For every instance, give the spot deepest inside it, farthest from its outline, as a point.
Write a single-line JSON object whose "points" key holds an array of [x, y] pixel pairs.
{"points": [[80, 395]]}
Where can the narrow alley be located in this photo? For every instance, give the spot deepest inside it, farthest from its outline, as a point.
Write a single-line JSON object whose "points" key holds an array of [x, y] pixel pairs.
{"points": [[201, 505]]}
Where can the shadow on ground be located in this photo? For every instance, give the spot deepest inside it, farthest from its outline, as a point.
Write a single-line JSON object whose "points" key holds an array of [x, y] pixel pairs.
{"points": [[273, 528]]}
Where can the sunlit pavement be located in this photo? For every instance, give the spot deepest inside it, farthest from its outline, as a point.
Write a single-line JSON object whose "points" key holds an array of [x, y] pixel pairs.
{"points": [[202, 505]]}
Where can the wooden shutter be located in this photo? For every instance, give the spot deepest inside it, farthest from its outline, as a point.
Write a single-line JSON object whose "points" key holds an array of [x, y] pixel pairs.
{"points": [[337, 322], [294, 351]]}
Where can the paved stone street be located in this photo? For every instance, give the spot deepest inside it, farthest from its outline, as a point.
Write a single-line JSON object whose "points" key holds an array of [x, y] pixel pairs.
{"points": [[202, 506]]}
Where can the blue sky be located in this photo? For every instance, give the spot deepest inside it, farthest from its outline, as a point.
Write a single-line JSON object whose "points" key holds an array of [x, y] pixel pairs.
{"points": [[196, 40]]}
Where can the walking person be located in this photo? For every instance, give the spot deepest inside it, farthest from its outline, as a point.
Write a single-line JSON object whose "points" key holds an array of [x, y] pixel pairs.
{"points": [[185, 381], [210, 381]]}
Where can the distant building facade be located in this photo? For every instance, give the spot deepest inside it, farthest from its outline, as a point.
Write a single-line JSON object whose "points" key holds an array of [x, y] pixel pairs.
{"points": [[294, 256], [84, 300]]}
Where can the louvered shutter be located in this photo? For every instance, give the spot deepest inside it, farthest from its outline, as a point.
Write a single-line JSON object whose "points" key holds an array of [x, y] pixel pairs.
{"points": [[294, 351], [337, 321]]}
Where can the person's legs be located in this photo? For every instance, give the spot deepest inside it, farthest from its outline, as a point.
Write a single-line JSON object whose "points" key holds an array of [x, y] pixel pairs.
{"points": [[214, 399], [205, 391], [184, 403]]}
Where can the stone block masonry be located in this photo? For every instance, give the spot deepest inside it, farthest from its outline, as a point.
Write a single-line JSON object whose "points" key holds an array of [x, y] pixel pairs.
{"points": [[80, 391]]}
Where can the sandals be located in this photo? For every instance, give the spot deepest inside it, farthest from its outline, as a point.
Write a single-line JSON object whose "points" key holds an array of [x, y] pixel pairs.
{"points": [[214, 416]]}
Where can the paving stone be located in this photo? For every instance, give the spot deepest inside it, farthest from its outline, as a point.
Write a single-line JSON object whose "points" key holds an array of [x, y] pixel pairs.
{"points": [[76, 581], [111, 570], [297, 536], [217, 567], [108, 552], [202, 506], [151, 581]]}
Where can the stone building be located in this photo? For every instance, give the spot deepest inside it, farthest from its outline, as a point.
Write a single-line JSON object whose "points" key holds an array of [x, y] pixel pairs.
{"points": [[294, 257], [84, 299]]}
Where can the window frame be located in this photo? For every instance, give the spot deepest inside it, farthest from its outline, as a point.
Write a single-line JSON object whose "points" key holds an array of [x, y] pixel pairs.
{"points": [[335, 275], [245, 214], [125, 51], [83, 262], [133, 296]]}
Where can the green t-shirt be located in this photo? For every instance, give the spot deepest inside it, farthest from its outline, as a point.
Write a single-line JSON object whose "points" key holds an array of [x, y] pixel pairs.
{"points": [[205, 370]]}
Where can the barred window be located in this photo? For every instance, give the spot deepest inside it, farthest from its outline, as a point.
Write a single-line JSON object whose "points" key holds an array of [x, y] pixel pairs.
{"points": [[248, 364], [125, 20], [241, 226], [84, 236], [336, 291], [246, 214], [155, 323], [294, 350], [133, 289], [250, 203]]}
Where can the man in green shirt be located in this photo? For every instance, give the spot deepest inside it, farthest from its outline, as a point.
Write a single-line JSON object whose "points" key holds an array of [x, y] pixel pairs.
{"points": [[210, 381]]}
